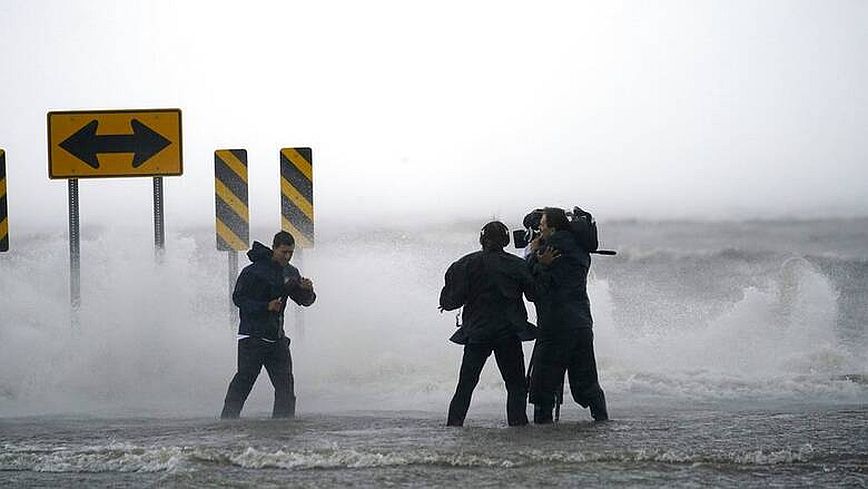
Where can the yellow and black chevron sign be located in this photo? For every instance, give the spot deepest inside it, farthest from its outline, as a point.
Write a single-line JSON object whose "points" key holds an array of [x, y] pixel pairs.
{"points": [[230, 188], [4, 210], [296, 194]]}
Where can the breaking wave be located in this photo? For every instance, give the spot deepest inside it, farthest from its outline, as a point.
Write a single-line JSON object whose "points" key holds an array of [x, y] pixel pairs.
{"points": [[117, 457], [703, 324], [114, 457]]}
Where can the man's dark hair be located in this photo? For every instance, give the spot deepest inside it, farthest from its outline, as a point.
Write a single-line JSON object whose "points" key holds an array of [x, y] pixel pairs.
{"points": [[282, 238], [556, 218], [494, 236]]}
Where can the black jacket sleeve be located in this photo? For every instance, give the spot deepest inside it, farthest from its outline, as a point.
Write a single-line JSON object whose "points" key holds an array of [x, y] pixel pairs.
{"points": [[528, 284], [243, 295], [566, 274], [299, 295], [544, 277], [454, 293], [292, 289]]}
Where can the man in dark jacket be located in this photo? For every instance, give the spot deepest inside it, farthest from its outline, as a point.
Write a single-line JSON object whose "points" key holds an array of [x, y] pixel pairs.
{"points": [[565, 341], [489, 284], [260, 294]]}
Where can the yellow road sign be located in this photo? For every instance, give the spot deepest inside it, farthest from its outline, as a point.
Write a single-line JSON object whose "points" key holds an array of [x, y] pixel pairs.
{"points": [[230, 194], [114, 143], [296, 194]]}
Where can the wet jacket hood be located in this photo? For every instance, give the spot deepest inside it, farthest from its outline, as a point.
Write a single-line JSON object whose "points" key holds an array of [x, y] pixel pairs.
{"points": [[259, 252]]}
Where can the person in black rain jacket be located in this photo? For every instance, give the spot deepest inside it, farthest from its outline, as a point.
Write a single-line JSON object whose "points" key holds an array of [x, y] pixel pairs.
{"points": [[260, 293], [489, 285], [565, 340]]}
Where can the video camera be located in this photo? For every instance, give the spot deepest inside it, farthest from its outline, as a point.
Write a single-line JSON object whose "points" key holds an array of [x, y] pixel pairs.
{"points": [[582, 225]]}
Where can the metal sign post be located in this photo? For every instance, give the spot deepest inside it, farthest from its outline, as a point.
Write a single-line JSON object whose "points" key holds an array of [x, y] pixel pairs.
{"points": [[74, 251], [233, 215], [112, 143], [298, 258], [159, 220], [231, 277], [296, 207]]}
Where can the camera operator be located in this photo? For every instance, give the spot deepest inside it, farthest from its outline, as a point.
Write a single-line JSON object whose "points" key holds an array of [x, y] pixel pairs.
{"points": [[565, 340], [489, 285]]}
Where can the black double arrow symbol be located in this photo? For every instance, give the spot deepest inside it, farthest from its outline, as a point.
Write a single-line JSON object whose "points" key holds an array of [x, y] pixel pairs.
{"points": [[144, 143]]}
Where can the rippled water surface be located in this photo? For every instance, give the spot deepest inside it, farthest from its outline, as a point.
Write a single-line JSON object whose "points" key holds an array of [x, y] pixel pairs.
{"points": [[684, 447]]}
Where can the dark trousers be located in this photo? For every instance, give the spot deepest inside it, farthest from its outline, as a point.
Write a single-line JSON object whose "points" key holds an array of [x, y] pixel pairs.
{"points": [[510, 361], [575, 357], [253, 354]]}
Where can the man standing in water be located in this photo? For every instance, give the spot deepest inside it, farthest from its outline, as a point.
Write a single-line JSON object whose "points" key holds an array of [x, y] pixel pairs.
{"points": [[489, 285], [565, 341], [260, 294]]}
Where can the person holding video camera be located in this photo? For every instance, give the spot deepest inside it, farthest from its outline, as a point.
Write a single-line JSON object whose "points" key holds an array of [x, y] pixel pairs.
{"points": [[261, 293], [565, 340], [489, 285]]}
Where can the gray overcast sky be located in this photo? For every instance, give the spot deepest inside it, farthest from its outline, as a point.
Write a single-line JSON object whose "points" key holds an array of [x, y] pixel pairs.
{"points": [[698, 109]]}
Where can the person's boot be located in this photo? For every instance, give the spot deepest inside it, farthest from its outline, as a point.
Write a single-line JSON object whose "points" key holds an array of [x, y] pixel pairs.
{"points": [[453, 417], [231, 410], [517, 420], [598, 408], [229, 413], [542, 414]]}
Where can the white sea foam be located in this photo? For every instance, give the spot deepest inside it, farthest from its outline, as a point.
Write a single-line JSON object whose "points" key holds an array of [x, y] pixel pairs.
{"points": [[130, 458], [114, 457]]}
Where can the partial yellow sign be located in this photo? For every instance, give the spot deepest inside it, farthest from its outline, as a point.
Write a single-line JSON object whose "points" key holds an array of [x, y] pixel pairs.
{"points": [[114, 143]]}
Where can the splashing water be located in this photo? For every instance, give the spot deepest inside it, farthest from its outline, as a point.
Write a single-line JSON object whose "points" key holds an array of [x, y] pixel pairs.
{"points": [[156, 338]]}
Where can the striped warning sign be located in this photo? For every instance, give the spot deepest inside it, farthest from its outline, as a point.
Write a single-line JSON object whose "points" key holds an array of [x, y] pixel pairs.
{"points": [[4, 210], [296, 194], [230, 189]]}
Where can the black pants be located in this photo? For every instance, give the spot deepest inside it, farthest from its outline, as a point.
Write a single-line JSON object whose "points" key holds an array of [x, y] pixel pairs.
{"points": [[552, 357], [253, 353], [510, 361]]}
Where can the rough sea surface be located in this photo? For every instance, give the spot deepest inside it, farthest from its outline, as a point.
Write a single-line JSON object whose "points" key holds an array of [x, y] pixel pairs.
{"points": [[733, 355], [804, 447]]}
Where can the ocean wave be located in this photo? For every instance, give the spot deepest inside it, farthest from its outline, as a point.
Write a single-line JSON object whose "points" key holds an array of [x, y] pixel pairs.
{"points": [[666, 255], [717, 386], [751, 457], [114, 457], [692, 258], [128, 458]]}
